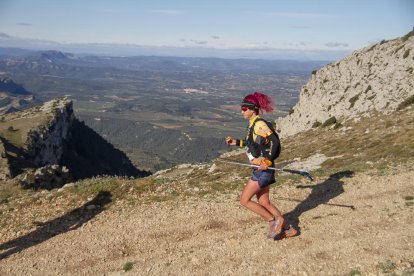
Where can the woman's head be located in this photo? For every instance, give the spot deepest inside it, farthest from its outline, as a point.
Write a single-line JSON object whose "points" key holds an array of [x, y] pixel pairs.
{"points": [[258, 101]]}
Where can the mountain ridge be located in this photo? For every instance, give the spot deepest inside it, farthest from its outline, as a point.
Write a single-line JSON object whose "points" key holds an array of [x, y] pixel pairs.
{"points": [[376, 78]]}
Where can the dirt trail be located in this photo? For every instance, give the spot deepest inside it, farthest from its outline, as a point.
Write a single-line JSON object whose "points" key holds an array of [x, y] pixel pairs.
{"points": [[348, 225]]}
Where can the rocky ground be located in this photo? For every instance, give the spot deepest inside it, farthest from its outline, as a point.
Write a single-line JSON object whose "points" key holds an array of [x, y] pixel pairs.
{"points": [[350, 224]]}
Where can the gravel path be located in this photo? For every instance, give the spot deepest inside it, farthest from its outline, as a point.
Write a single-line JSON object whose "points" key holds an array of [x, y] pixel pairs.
{"points": [[348, 225]]}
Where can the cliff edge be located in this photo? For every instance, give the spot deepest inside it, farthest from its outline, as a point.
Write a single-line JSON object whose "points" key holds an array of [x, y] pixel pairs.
{"points": [[51, 135]]}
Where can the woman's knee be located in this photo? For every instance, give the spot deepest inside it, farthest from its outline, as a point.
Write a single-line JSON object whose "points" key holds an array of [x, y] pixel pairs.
{"points": [[265, 203], [244, 200]]}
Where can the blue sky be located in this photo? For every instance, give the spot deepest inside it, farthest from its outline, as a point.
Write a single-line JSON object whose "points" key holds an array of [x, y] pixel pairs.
{"points": [[321, 26]]}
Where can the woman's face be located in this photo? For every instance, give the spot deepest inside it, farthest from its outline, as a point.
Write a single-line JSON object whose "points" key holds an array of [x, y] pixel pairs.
{"points": [[247, 113]]}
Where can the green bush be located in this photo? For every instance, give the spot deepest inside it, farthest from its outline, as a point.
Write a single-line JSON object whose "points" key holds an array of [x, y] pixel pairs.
{"points": [[316, 124], [329, 122], [407, 102], [407, 53], [354, 272], [128, 266], [387, 267], [353, 100], [338, 125]]}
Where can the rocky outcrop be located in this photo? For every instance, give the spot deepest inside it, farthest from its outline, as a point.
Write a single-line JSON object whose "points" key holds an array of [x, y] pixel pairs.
{"points": [[45, 143], [376, 78], [47, 177], [39, 142]]}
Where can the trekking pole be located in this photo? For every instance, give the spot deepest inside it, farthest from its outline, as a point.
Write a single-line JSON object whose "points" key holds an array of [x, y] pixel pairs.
{"points": [[301, 172]]}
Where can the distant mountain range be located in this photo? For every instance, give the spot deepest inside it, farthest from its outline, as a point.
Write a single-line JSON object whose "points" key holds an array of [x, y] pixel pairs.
{"points": [[15, 57], [114, 49], [13, 97]]}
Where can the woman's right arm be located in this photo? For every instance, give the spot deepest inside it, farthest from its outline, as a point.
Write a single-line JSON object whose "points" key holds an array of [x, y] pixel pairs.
{"points": [[235, 142]]}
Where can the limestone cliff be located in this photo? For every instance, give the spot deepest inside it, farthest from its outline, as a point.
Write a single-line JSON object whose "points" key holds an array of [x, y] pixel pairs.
{"points": [[44, 144], [51, 135], [376, 78]]}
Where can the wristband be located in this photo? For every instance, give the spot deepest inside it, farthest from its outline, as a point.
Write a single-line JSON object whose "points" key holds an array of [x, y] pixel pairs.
{"points": [[249, 155], [239, 142]]}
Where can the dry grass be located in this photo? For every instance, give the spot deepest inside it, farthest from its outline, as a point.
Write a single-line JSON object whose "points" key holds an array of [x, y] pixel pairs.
{"points": [[15, 130], [369, 143]]}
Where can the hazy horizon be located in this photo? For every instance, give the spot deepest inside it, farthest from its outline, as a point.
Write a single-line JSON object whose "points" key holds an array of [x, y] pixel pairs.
{"points": [[299, 30]]}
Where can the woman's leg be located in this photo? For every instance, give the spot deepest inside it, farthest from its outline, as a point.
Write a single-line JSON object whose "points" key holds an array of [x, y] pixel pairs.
{"points": [[278, 223], [252, 188], [263, 199]]}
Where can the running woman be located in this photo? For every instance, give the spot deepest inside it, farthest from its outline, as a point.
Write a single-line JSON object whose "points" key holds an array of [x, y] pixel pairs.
{"points": [[263, 147]]}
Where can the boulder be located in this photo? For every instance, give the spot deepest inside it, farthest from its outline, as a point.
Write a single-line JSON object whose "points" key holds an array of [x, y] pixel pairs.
{"points": [[47, 177]]}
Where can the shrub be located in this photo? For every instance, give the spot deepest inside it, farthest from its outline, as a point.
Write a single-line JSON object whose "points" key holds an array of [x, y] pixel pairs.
{"points": [[407, 102], [329, 122], [409, 197], [354, 272], [338, 125], [291, 111], [316, 124], [407, 53], [314, 72], [128, 266], [353, 100], [387, 267], [409, 200]]}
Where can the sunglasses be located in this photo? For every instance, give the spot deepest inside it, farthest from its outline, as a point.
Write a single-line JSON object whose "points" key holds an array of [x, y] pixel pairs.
{"points": [[243, 108]]}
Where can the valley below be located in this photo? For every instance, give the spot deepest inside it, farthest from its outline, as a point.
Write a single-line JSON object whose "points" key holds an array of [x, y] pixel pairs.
{"points": [[161, 111]]}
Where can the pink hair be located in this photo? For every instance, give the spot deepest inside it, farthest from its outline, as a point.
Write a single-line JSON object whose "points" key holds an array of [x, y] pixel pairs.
{"points": [[262, 101]]}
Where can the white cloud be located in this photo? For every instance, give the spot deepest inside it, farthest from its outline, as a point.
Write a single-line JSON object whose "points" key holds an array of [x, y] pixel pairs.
{"points": [[199, 42], [336, 44], [300, 44]]}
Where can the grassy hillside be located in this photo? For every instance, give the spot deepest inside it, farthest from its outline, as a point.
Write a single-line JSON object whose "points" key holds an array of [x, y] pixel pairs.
{"points": [[186, 219], [372, 144]]}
